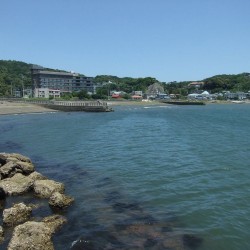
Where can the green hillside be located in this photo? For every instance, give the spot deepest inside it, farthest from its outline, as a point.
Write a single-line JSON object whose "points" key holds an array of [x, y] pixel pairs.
{"points": [[240, 82], [15, 74]]}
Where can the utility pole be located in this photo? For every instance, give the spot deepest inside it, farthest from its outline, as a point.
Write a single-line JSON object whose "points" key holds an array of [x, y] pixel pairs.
{"points": [[22, 84], [11, 90]]}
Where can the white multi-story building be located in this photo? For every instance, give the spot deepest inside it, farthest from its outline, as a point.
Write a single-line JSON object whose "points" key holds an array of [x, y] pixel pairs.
{"points": [[46, 93]]}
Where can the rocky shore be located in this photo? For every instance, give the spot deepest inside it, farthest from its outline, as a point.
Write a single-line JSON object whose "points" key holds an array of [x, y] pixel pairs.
{"points": [[17, 177]]}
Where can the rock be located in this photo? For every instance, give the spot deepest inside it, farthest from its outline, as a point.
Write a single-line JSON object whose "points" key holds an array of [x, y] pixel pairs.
{"points": [[31, 235], [26, 167], [54, 222], [2, 194], [6, 157], [36, 235], [12, 159], [12, 167], [17, 214], [37, 176], [20, 157], [9, 169], [45, 188], [60, 200], [18, 184], [1, 234]]}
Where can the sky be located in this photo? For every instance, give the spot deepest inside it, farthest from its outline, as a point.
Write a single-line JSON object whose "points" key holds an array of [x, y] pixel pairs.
{"points": [[170, 40]]}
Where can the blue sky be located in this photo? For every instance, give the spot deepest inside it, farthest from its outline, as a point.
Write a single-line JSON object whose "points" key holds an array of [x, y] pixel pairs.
{"points": [[171, 40]]}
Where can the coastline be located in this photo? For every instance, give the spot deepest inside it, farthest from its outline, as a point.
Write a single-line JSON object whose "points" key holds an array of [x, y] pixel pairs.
{"points": [[11, 108]]}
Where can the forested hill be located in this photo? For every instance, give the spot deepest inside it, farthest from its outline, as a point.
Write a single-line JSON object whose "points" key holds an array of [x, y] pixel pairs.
{"points": [[240, 82], [214, 84], [13, 73], [16, 73]]}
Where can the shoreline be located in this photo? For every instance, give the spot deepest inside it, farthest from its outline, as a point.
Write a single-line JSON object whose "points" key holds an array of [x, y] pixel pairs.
{"points": [[14, 108]]}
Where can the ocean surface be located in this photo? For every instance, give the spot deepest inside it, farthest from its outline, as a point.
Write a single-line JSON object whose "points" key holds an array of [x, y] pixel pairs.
{"points": [[156, 177]]}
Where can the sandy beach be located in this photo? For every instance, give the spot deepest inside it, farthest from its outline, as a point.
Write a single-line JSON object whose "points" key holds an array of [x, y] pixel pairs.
{"points": [[8, 108]]}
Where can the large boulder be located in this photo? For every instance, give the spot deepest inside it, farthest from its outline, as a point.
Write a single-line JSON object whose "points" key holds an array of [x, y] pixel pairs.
{"points": [[31, 235], [36, 235], [59, 200], [17, 214], [45, 188], [18, 184]]}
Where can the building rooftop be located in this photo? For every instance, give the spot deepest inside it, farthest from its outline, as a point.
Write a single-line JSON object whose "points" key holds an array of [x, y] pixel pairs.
{"points": [[46, 72]]}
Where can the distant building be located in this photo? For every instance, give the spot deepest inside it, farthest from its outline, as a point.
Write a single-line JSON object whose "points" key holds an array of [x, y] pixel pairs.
{"points": [[46, 93], [237, 95], [162, 96], [63, 81], [196, 84], [138, 93]]}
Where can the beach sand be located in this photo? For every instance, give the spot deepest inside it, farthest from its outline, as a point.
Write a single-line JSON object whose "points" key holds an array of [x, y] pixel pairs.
{"points": [[8, 108]]}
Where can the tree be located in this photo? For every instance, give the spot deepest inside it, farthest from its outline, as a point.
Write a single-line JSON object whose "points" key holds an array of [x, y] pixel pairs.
{"points": [[83, 94]]}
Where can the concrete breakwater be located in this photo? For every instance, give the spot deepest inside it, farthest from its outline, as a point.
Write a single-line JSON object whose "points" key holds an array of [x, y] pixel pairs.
{"points": [[69, 106], [17, 178]]}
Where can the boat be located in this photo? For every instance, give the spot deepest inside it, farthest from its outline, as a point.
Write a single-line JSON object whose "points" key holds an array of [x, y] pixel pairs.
{"points": [[238, 102]]}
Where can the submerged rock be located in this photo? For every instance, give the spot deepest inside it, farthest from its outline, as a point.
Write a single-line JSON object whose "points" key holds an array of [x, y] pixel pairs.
{"points": [[17, 214], [60, 200], [18, 184], [45, 188]]}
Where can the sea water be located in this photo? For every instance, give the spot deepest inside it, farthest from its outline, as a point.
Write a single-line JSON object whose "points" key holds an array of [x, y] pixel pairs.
{"points": [[156, 177]]}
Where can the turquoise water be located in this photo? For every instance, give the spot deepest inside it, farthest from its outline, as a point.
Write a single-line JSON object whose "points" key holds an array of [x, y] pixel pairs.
{"points": [[157, 177]]}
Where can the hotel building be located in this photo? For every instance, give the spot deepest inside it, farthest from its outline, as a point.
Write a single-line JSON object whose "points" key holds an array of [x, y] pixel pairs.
{"points": [[63, 81]]}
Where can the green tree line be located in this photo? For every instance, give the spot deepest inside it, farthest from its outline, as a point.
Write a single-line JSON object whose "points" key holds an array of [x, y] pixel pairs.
{"points": [[16, 75]]}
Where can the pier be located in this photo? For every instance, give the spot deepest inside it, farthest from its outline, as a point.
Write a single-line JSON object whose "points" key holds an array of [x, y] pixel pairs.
{"points": [[71, 106]]}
